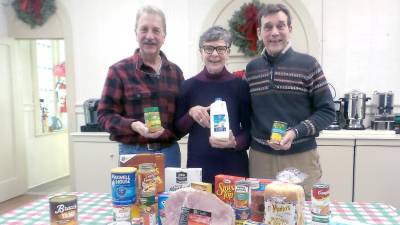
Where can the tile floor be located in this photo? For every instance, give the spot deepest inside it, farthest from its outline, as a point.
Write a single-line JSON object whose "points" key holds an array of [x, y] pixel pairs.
{"points": [[54, 187]]}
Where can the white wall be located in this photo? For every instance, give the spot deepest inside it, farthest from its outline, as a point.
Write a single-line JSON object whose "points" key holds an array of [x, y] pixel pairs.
{"points": [[361, 44], [3, 22], [356, 44]]}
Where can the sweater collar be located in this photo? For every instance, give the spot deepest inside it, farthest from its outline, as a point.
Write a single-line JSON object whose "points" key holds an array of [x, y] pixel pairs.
{"points": [[224, 75], [272, 59]]}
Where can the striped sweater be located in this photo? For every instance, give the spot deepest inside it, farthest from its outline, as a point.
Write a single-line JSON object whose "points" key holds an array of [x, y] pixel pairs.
{"points": [[290, 88]]}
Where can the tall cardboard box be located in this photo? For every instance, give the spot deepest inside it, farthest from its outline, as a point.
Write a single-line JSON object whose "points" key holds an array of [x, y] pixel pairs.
{"points": [[133, 160]]}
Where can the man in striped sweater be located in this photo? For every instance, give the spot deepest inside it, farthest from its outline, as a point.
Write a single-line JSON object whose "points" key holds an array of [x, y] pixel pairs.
{"points": [[286, 86]]}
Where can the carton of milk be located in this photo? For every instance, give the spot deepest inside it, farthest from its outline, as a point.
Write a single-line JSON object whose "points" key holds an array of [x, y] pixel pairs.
{"points": [[177, 178]]}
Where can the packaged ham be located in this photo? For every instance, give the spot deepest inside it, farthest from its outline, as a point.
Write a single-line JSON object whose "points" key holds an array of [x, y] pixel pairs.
{"points": [[188, 206], [284, 201]]}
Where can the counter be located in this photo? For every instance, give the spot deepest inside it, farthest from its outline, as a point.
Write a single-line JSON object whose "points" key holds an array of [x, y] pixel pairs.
{"points": [[357, 165]]}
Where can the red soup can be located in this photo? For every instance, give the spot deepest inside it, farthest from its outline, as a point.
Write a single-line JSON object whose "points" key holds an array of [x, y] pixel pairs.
{"points": [[320, 200]]}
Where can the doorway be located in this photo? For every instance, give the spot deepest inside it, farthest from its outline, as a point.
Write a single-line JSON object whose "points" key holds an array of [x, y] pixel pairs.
{"points": [[42, 65]]}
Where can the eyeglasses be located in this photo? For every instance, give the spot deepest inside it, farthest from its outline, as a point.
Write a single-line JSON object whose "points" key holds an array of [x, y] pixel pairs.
{"points": [[210, 49]]}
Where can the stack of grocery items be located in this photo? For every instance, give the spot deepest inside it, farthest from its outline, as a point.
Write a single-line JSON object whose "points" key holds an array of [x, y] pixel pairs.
{"points": [[146, 193]]}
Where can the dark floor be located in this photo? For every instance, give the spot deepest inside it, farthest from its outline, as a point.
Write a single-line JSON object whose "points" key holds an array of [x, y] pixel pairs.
{"points": [[54, 187]]}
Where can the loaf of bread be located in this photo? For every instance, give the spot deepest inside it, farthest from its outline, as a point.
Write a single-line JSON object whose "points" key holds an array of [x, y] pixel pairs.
{"points": [[284, 204]]}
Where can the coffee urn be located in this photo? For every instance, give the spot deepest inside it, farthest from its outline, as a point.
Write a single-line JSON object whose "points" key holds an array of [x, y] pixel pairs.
{"points": [[354, 104], [382, 103]]}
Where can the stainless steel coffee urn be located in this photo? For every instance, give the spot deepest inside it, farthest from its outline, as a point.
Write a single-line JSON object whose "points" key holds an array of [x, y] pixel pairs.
{"points": [[354, 110], [382, 103]]}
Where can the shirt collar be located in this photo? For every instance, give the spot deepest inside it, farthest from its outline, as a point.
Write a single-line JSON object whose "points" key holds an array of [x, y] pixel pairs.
{"points": [[289, 44], [145, 68]]}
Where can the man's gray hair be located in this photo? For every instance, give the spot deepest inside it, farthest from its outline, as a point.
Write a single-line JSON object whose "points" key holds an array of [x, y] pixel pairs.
{"points": [[215, 33], [151, 10]]}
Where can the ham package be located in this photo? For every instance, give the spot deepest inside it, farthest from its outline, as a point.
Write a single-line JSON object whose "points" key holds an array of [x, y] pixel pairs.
{"points": [[190, 206]]}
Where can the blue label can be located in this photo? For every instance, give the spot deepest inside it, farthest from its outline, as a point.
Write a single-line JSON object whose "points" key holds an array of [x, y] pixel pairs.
{"points": [[162, 198], [123, 186]]}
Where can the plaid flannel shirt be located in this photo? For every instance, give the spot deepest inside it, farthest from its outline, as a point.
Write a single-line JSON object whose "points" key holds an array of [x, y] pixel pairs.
{"points": [[131, 86]]}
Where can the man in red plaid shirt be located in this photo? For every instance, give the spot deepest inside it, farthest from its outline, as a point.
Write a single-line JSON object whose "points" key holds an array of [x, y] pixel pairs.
{"points": [[146, 79]]}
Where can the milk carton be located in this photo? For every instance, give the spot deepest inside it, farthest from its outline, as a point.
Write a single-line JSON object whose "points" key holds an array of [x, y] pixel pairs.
{"points": [[219, 120]]}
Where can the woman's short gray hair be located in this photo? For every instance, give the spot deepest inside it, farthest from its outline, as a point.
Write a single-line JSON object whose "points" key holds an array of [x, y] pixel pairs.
{"points": [[215, 33], [151, 10]]}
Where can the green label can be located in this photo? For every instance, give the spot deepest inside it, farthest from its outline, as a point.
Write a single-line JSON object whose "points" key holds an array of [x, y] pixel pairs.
{"points": [[152, 119]]}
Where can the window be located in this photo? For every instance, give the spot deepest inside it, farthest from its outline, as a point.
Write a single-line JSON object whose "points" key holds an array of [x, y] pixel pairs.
{"points": [[48, 58]]}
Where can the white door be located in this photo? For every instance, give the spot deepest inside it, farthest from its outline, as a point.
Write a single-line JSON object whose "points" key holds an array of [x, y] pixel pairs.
{"points": [[13, 180]]}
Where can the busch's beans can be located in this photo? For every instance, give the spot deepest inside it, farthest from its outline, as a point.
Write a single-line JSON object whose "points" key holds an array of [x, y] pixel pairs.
{"points": [[63, 210]]}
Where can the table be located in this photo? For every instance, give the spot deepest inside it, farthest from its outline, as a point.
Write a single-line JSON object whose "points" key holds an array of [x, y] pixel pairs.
{"points": [[96, 208]]}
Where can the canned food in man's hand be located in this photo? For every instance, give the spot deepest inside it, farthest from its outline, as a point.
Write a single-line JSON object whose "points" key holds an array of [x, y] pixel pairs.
{"points": [[278, 131]]}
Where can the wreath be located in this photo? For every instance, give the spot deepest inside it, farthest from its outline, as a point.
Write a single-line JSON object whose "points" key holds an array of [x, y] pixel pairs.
{"points": [[243, 27], [34, 12]]}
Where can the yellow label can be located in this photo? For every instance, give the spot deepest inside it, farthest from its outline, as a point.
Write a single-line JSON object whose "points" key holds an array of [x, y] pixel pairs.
{"points": [[278, 131]]}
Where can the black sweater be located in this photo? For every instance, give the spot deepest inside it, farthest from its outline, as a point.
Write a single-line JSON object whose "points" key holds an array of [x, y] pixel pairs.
{"points": [[290, 88]]}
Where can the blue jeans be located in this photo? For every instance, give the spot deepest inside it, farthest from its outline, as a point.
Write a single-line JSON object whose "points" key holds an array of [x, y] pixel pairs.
{"points": [[172, 153]]}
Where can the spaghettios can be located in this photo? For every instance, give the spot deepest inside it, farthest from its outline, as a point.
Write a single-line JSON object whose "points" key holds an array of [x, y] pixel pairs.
{"points": [[278, 130], [123, 186], [64, 210]]}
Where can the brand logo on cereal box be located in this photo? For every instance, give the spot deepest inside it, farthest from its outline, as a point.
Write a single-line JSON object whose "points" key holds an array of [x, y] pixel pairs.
{"points": [[226, 181], [225, 191], [181, 177]]}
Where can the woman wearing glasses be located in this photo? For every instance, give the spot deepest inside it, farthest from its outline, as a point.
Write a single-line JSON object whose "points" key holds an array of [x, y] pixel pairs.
{"points": [[213, 155]]}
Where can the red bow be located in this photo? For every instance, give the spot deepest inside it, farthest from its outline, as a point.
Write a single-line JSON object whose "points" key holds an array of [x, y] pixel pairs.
{"points": [[250, 27], [24, 5], [240, 74], [32, 5]]}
